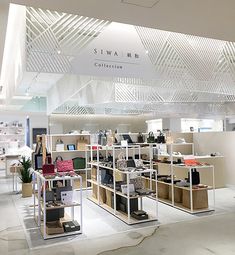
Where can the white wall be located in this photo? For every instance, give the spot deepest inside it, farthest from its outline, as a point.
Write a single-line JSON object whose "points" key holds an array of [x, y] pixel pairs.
{"points": [[223, 142], [95, 123], [207, 124]]}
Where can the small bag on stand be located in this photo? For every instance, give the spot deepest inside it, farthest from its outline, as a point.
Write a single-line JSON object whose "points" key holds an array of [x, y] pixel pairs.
{"points": [[161, 138], [121, 162], [81, 143], [64, 165], [150, 138], [140, 138], [195, 177]]}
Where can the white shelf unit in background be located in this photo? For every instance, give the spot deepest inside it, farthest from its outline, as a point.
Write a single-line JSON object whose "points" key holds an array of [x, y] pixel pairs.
{"points": [[9, 135], [70, 154]]}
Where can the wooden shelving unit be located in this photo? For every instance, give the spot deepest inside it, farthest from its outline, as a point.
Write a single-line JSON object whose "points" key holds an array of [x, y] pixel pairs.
{"points": [[66, 154], [192, 191], [41, 210], [98, 187]]}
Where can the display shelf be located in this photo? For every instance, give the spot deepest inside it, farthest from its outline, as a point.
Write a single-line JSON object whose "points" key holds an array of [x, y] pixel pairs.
{"points": [[99, 165], [183, 208], [59, 235], [191, 191], [79, 140], [59, 207], [121, 215], [42, 209], [67, 151]]}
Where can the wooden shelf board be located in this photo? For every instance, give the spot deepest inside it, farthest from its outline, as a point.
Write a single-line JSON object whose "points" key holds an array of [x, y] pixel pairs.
{"points": [[121, 215], [67, 151]]}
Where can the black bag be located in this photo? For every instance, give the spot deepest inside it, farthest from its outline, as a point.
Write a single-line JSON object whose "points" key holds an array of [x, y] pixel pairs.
{"points": [[150, 138], [161, 138], [195, 177], [140, 138], [130, 163]]}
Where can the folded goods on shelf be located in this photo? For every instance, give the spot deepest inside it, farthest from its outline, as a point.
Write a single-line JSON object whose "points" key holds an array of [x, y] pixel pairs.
{"points": [[70, 226], [144, 191], [139, 215], [54, 227]]}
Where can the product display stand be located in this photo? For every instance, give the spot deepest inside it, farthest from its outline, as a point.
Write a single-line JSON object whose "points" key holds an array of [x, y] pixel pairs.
{"points": [[192, 191], [190, 199], [41, 211], [66, 154], [111, 193]]}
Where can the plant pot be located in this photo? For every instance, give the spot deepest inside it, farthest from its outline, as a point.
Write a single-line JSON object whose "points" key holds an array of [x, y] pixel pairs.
{"points": [[27, 189]]}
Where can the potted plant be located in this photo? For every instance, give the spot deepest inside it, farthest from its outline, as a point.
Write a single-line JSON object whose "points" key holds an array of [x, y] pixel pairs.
{"points": [[26, 176]]}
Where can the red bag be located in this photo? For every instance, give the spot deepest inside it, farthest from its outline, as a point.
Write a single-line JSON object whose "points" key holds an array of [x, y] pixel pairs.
{"points": [[48, 169], [64, 165]]}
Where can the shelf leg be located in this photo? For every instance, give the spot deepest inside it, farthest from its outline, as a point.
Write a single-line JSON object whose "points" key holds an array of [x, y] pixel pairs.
{"points": [[128, 197], [191, 190], [44, 209], [213, 176]]}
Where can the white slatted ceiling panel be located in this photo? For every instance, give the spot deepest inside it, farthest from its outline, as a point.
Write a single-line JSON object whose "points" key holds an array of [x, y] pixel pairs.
{"points": [[53, 39]]}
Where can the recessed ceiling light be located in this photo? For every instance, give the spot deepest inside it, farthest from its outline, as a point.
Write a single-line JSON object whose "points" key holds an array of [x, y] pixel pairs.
{"points": [[59, 51], [146, 51]]}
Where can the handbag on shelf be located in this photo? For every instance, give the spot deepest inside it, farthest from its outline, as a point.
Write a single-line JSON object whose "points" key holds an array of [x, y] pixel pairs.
{"points": [[130, 163], [138, 182], [121, 162], [139, 163], [140, 138], [161, 138], [195, 177], [79, 163], [48, 168], [81, 143], [59, 145], [64, 165], [150, 138]]}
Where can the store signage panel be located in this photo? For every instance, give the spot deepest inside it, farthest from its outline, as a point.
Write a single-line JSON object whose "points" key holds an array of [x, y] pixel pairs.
{"points": [[117, 51]]}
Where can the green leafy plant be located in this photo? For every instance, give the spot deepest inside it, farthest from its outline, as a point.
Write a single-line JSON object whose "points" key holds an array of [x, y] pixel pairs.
{"points": [[26, 175]]}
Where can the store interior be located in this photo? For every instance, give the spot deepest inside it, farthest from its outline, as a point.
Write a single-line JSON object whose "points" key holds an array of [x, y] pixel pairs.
{"points": [[115, 127]]}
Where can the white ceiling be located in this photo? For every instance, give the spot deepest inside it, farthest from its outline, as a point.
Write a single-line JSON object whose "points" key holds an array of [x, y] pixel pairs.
{"points": [[208, 18], [192, 58]]}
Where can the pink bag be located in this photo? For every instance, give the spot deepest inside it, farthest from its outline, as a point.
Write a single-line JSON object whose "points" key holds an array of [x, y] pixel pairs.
{"points": [[64, 165]]}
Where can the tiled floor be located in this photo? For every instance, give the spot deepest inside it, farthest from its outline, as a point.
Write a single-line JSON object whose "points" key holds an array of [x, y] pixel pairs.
{"points": [[19, 234]]}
